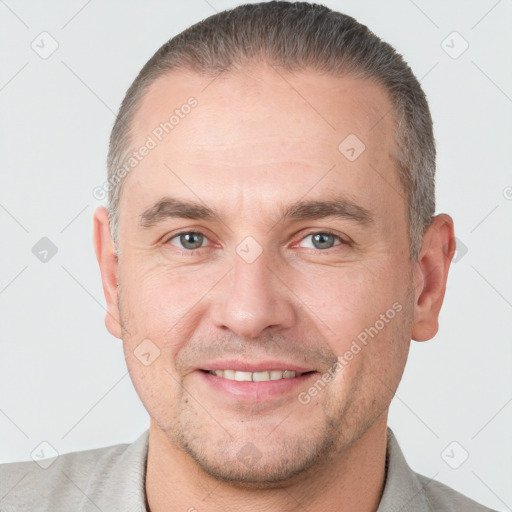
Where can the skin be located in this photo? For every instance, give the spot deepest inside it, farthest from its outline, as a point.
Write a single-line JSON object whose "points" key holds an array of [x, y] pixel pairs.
{"points": [[252, 146]]}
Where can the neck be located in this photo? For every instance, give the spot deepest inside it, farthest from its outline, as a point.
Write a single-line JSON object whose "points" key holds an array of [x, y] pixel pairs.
{"points": [[352, 482]]}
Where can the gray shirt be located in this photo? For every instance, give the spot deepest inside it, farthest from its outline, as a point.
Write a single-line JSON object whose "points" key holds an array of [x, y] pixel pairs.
{"points": [[112, 480]]}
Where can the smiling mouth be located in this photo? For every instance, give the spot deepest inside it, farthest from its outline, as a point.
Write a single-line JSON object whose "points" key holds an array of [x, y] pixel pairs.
{"points": [[263, 376]]}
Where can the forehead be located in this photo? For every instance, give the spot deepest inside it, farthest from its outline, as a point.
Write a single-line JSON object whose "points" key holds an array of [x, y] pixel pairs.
{"points": [[245, 100], [259, 128]]}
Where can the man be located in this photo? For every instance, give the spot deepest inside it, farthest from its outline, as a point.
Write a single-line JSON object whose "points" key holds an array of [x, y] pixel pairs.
{"points": [[269, 250]]}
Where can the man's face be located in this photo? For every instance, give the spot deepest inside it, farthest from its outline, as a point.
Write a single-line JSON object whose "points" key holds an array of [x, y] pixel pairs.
{"points": [[254, 290]]}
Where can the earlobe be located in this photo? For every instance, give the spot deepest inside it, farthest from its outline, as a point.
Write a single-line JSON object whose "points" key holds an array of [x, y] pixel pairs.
{"points": [[431, 274], [105, 254]]}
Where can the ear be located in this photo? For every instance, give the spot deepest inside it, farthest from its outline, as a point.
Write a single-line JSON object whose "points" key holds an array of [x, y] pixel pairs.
{"points": [[107, 260], [431, 273]]}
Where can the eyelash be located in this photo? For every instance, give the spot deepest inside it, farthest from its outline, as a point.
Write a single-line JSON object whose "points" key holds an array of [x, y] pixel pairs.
{"points": [[190, 252]]}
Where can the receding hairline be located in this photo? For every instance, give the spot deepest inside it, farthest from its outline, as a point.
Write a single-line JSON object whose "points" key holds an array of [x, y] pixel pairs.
{"points": [[206, 77], [254, 66]]}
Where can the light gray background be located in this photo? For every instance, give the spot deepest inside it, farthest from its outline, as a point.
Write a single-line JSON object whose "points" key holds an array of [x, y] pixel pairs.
{"points": [[63, 375]]}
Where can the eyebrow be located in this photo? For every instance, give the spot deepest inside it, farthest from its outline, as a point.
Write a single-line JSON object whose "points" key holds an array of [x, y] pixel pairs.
{"points": [[169, 207], [340, 207]]}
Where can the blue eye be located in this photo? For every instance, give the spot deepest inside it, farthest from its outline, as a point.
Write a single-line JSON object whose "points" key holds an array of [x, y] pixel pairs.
{"points": [[189, 240], [323, 240]]}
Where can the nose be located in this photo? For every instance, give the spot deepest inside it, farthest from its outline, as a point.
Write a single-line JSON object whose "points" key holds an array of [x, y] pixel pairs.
{"points": [[253, 299]]}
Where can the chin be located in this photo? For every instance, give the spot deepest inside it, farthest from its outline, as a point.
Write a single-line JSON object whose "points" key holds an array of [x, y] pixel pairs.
{"points": [[258, 462]]}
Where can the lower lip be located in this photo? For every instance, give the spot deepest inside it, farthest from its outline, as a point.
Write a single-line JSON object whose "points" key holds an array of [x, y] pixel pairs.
{"points": [[251, 392]]}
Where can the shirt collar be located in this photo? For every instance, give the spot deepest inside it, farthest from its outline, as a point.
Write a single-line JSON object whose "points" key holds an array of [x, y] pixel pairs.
{"points": [[402, 489], [127, 479]]}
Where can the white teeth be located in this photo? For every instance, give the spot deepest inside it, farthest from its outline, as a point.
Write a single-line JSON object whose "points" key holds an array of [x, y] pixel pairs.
{"points": [[254, 376], [227, 374], [243, 376], [260, 376]]}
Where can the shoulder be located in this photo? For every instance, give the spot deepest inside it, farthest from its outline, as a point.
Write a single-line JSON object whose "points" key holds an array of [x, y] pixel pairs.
{"points": [[69, 482], [407, 490], [445, 499]]}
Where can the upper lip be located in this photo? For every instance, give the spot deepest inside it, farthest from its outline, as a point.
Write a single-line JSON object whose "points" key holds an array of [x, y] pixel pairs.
{"points": [[254, 366]]}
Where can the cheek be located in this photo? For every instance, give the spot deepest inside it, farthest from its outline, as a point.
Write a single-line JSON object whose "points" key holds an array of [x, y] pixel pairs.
{"points": [[365, 317], [161, 309], [156, 387], [155, 297], [154, 306], [348, 300], [372, 333]]}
